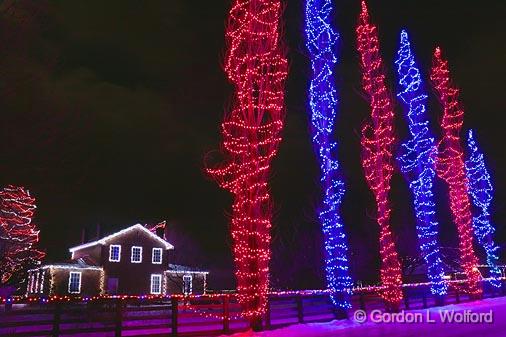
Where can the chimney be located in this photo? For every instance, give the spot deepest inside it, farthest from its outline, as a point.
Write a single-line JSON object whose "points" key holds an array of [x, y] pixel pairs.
{"points": [[160, 232], [83, 235], [98, 231], [160, 229]]}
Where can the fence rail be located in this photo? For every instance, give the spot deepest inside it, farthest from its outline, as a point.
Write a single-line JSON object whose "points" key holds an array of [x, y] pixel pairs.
{"points": [[202, 316]]}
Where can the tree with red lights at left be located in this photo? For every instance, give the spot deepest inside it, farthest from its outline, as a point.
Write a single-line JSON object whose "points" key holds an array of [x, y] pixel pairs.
{"points": [[377, 142], [18, 234], [255, 63], [451, 168]]}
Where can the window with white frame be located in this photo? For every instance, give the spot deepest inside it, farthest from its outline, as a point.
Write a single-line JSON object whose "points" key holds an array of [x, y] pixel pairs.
{"points": [[114, 253], [41, 284], [32, 282], [136, 256], [187, 284], [156, 284], [37, 275], [74, 282], [156, 258]]}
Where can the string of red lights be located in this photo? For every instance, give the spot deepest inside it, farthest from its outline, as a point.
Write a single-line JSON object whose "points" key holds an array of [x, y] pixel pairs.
{"points": [[256, 65], [377, 141], [451, 168], [189, 297]]}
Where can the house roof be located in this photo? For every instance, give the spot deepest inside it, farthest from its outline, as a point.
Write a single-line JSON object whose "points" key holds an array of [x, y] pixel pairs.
{"points": [[79, 265], [177, 269], [185, 272], [104, 240]]}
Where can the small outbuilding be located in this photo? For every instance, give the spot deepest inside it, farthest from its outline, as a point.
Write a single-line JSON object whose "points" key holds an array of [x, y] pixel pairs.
{"points": [[133, 261]]}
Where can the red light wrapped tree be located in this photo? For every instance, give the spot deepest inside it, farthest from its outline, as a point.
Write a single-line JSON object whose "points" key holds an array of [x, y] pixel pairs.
{"points": [[377, 142], [256, 65], [451, 168], [18, 234]]}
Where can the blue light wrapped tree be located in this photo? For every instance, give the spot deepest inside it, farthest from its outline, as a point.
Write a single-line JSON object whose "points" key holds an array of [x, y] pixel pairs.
{"points": [[417, 162], [481, 191], [321, 42]]}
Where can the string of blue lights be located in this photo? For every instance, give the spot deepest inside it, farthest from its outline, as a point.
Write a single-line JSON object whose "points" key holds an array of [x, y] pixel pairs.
{"points": [[417, 162], [321, 42], [481, 191]]}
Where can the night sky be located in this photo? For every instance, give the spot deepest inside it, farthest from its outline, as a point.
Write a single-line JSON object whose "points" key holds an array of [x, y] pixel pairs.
{"points": [[108, 109]]}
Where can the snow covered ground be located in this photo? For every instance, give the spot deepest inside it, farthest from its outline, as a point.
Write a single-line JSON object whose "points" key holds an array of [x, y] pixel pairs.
{"points": [[428, 322]]}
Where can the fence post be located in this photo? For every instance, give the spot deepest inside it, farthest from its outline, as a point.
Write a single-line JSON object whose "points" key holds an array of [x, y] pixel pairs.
{"points": [[300, 308], [268, 314], [226, 313], [457, 295], [406, 300], [119, 318], [8, 304], [174, 304], [362, 301], [424, 299], [57, 319]]}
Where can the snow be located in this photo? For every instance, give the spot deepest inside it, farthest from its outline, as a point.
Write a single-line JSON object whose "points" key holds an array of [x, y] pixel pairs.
{"points": [[350, 328]]}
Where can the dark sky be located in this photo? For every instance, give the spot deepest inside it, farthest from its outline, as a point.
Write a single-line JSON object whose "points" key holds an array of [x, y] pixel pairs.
{"points": [[109, 107]]}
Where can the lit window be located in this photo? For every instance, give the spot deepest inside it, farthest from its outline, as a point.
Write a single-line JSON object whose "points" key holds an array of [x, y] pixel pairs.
{"points": [[136, 256], [157, 256], [156, 284], [187, 284], [114, 253], [75, 282]]}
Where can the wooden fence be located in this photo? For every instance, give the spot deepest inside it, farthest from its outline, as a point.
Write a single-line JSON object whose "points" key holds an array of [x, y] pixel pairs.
{"points": [[203, 316]]}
